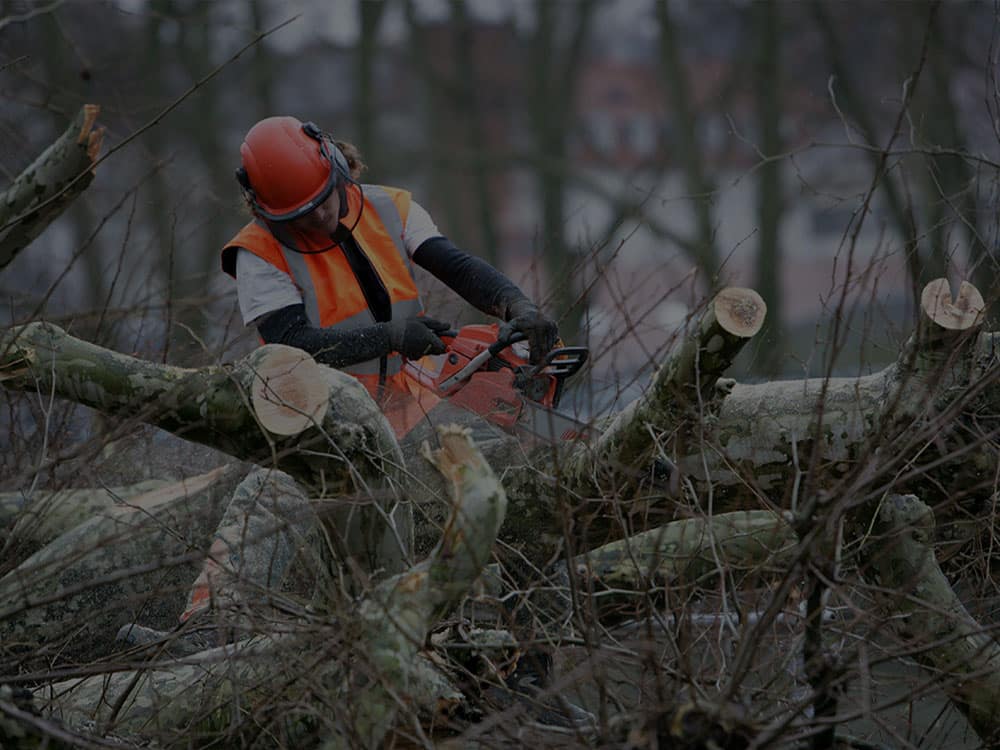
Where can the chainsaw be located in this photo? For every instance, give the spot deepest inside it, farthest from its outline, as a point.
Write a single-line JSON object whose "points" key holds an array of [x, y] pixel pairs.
{"points": [[493, 379]]}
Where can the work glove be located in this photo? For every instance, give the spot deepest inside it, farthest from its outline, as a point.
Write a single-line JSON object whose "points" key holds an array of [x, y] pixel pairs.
{"points": [[523, 316], [415, 337]]}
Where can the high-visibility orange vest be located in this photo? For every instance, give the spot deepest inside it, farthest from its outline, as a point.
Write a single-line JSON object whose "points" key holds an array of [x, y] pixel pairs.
{"points": [[332, 296]]}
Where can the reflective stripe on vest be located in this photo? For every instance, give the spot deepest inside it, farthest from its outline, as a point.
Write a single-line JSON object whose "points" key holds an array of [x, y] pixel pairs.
{"points": [[384, 206]]}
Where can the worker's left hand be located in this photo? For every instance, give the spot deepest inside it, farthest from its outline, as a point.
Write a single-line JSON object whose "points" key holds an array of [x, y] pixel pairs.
{"points": [[541, 331]]}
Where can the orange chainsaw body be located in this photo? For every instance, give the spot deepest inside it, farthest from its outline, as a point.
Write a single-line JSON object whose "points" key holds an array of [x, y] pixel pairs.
{"points": [[498, 386]]}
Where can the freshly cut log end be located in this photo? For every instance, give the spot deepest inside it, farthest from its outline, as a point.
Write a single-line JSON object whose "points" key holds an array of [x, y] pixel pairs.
{"points": [[457, 450], [740, 311], [959, 314], [94, 141], [289, 393], [88, 135], [90, 113]]}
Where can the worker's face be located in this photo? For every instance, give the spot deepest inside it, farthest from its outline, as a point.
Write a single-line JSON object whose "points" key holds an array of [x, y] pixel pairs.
{"points": [[323, 218]]}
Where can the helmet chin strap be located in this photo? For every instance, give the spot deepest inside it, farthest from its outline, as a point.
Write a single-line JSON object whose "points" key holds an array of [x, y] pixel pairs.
{"points": [[344, 207], [342, 194]]}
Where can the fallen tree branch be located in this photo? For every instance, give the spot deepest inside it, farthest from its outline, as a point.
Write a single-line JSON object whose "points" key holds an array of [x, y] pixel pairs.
{"points": [[64, 169], [369, 662], [34, 521], [680, 388], [935, 623], [398, 616], [681, 552], [72, 595], [620, 578], [185, 698]]}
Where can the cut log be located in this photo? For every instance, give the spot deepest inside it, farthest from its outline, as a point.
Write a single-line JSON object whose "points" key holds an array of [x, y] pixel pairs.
{"points": [[347, 444], [288, 392], [940, 355], [959, 314]]}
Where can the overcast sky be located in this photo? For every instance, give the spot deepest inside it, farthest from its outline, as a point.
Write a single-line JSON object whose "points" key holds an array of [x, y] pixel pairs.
{"points": [[338, 21]]}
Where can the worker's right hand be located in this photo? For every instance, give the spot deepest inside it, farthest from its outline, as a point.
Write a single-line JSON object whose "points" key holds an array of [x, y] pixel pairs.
{"points": [[415, 337], [523, 316]]}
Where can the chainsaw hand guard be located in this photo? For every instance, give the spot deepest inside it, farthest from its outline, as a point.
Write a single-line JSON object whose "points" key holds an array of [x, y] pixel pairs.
{"points": [[535, 381]]}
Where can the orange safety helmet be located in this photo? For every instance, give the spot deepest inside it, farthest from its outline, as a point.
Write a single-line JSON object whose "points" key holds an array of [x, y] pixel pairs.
{"points": [[290, 167]]}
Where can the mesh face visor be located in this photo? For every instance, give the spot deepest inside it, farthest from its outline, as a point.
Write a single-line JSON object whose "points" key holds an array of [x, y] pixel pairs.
{"points": [[306, 207]]}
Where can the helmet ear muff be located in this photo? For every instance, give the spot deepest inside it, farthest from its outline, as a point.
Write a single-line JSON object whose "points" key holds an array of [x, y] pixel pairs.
{"points": [[244, 179], [328, 147]]}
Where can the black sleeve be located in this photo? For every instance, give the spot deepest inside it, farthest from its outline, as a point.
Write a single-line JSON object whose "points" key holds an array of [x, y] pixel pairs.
{"points": [[290, 326], [475, 280]]}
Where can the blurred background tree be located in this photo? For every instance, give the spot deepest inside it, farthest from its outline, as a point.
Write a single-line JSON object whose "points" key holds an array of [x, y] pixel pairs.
{"points": [[619, 158]]}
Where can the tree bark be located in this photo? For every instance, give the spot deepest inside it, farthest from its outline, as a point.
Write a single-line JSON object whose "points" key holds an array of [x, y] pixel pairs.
{"points": [[37, 519]]}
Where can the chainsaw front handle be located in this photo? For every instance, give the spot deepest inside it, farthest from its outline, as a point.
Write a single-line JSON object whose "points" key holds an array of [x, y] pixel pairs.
{"points": [[500, 344]]}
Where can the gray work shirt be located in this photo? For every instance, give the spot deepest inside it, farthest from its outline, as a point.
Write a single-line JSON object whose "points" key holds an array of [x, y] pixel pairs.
{"points": [[263, 288]]}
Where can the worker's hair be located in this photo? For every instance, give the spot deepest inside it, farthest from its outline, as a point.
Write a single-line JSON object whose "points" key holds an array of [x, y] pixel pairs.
{"points": [[353, 155]]}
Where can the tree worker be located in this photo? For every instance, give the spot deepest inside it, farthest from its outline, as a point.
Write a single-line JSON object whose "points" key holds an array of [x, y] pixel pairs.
{"points": [[325, 265]]}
